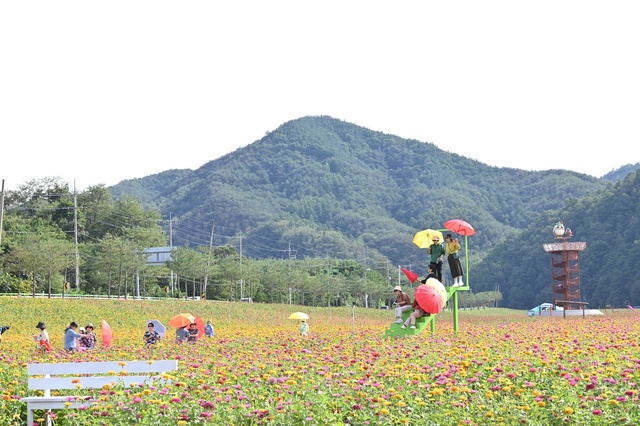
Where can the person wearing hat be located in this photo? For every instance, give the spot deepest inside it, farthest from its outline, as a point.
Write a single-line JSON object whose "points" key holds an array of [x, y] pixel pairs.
{"points": [[182, 334], [151, 336], [437, 252], [89, 340], [42, 338], [403, 303]]}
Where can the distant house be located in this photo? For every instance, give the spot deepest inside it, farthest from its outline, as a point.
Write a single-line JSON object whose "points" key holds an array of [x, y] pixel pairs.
{"points": [[158, 255]]}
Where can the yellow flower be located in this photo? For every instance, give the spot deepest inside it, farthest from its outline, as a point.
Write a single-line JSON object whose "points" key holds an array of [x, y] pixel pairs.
{"points": [[568, 410]]}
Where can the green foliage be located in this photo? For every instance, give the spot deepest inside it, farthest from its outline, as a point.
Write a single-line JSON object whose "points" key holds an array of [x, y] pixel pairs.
{"points": [[321, 184], [608, 221], [316, 192]]}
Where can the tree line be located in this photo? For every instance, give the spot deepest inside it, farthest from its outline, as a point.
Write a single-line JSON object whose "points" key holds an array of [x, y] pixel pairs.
{"points": [[58, 242]]}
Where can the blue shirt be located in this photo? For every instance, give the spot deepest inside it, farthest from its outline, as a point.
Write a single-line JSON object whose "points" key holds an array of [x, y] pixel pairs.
{"points": [[208, 330], [70, 337]]}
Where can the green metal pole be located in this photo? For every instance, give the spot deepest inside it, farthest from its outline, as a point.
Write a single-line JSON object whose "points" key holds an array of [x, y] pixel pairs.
{"points": [[455, 311], [466, 260]]}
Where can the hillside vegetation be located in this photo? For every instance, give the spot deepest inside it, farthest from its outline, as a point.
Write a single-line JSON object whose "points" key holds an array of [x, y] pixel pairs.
{"points": [[322, 212]]}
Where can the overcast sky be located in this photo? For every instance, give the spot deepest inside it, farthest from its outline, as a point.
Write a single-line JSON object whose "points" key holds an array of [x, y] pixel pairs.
{"points": [[99, 92]]}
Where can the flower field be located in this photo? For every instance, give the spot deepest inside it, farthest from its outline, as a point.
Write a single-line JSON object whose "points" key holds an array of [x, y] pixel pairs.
{"points": [[501, 368]]}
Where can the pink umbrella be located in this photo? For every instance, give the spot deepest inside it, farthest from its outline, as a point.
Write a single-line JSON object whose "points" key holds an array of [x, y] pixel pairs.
{"points": [[107, 335], [459, 226], [429, 299]]}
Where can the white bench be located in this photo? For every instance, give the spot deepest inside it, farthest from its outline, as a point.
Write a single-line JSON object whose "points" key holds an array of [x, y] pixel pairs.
{"points": [[86, 376]]}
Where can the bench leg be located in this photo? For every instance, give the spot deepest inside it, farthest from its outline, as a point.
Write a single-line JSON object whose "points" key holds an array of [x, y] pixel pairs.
{"points": [[30, 417]]}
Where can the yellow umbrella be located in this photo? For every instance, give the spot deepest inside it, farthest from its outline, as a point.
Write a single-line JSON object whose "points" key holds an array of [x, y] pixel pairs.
{"points": [[299, 316], [424, 239]]}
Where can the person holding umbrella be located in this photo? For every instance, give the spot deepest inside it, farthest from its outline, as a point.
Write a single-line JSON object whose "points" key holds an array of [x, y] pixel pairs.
{"points": [[437, 252], [182, 334], [193, 333], [303, 328], [417, 313], [151, 336], [453, 259]]}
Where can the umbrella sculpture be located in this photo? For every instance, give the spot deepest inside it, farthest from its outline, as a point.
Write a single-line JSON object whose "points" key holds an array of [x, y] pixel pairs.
{"points": [[429, 299], [438, 286], [461, 227], [424, 239], [181, 320], [158, 327], [107, 335], [299, 316]]}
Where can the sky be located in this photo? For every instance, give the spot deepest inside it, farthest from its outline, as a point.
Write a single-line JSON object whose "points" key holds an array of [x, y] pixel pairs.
{"points": [[100, 92]]}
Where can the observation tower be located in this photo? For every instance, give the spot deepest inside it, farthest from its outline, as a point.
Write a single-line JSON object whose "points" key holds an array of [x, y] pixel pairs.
{"points": [[565, 268]]}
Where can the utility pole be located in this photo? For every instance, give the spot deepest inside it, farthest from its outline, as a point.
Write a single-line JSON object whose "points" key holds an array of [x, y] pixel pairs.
{"points": [[241, 288], [1, 209], [206, 275], [170, 250], [75, 231]]}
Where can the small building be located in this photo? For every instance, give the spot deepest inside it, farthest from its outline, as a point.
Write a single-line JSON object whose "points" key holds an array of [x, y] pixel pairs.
{"points": [[158, 255]]}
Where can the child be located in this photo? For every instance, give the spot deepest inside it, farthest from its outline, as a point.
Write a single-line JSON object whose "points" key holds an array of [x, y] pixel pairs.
{"points": [[208, 329], [42, 339], [303, 328]]}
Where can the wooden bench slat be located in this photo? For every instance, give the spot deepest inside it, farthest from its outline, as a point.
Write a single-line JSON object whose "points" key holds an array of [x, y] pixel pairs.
{"points": [[87, 375], [87, 382], [102, 367]]}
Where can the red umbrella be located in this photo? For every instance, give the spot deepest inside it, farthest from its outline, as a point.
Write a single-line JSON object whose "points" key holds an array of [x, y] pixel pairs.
{"points": [[200, 326], [459, 226], [411, 275], [429, 299]]}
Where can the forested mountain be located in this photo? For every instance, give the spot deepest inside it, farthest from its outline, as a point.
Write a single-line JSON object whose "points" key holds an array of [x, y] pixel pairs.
{"points": [[622, 172], [608, 221], [321, 187]]}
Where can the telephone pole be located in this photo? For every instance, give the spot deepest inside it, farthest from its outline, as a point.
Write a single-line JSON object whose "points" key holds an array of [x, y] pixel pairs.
{"points": [[1, 209], [75, 232]]}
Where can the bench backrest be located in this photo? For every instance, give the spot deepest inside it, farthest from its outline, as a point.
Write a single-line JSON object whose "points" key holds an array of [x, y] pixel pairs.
{"points": [[74, 375]]}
